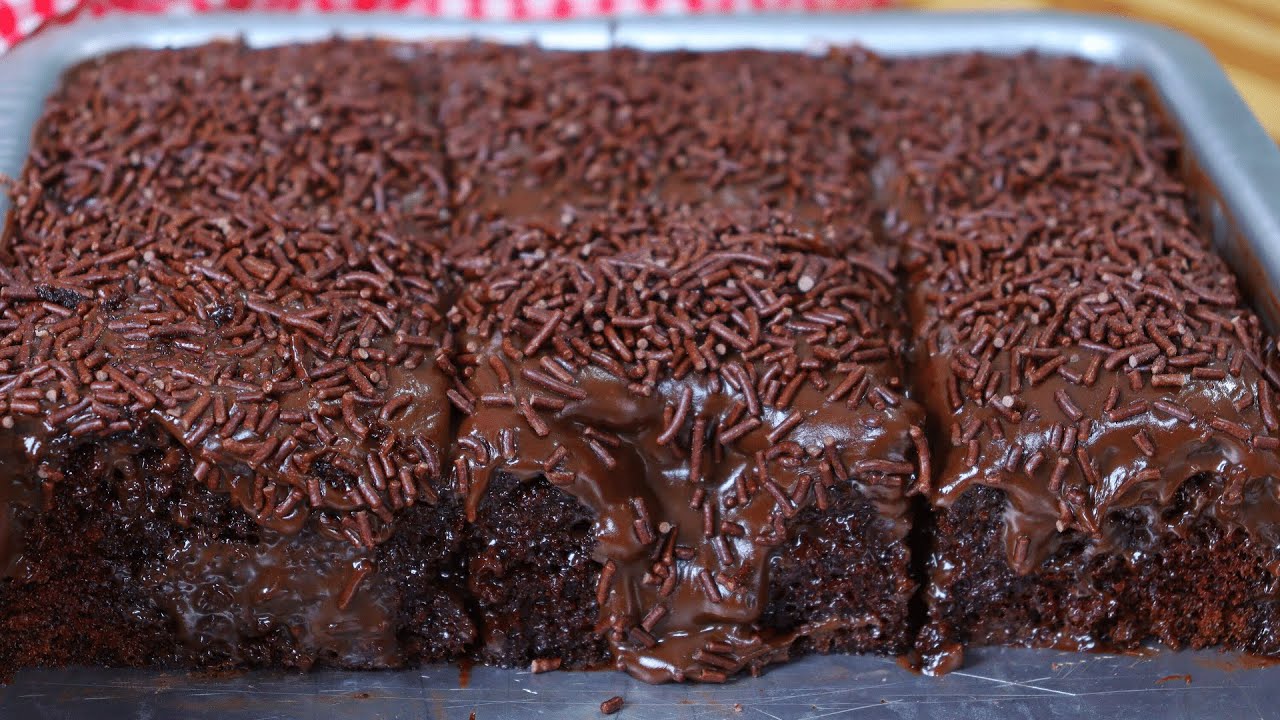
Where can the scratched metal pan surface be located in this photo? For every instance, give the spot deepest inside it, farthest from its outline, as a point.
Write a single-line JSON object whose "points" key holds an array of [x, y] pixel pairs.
{"points": [[1241, 170]]}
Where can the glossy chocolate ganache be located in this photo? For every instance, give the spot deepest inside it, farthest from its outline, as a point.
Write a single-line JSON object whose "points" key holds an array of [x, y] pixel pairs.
{"points": [[369, 354]]}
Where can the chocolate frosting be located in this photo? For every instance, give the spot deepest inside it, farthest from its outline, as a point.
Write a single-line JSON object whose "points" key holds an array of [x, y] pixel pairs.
{"points": [[693, 442]]}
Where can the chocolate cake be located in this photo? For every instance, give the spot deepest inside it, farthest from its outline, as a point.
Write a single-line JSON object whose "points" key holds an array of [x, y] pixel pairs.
{"points": [[223, 305], [366, 354], [1103, 401], [722, 397]]}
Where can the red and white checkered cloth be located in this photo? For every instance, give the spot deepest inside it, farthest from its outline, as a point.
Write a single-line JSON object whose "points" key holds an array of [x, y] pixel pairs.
{"points": [[20, 18]]}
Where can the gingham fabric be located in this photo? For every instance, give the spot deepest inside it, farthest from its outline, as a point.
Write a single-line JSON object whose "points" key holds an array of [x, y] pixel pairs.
{"points": [[20, 18]]}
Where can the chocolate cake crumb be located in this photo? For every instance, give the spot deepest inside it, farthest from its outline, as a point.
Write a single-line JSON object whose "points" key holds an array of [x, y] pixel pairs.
{"points": [[541, 665], [612, 705]]}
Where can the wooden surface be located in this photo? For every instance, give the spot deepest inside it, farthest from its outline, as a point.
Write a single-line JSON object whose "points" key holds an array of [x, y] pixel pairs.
{"points": [[1243, 34]]}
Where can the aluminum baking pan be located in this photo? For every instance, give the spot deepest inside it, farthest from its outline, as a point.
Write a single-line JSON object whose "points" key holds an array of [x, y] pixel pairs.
{"points": [[1236, 166]]}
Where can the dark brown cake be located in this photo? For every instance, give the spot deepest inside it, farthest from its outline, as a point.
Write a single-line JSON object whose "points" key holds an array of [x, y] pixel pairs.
{"points": [[367, 354], [722, 396], [1103, 399], [223, 308]]}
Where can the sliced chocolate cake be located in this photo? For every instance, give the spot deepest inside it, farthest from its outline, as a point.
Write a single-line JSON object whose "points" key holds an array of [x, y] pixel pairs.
{"points": [[222, 303], [1104, 401], [722, 397], [674, 311], [367, 354]]}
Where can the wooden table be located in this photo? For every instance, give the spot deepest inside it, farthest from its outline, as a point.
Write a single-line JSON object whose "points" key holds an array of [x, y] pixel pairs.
{"points": [[1243, 34]]}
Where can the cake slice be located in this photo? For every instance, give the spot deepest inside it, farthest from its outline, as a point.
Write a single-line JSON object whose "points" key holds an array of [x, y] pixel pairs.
{"points": [[702, 415], [222, 312], [1104, 400], [555, 135], [681, 347]]}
